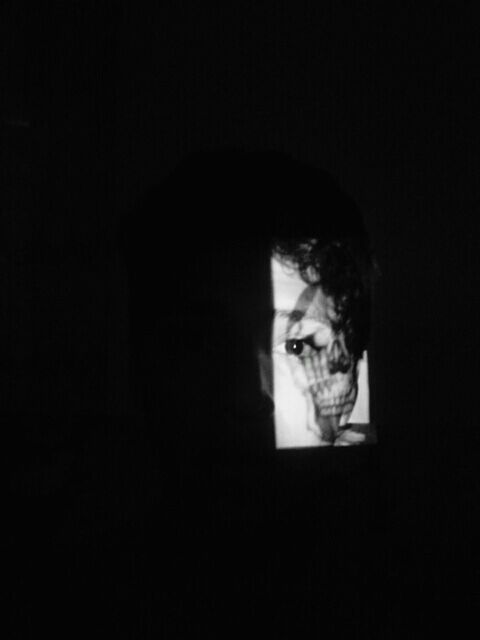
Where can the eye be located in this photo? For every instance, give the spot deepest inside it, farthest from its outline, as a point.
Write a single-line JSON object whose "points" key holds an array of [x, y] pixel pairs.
{"points": [[294, 347], [302, 348]]}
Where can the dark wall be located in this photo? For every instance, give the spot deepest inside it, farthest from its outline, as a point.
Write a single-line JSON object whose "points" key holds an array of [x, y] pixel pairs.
{"points": [[102, 103], [103, 100]]}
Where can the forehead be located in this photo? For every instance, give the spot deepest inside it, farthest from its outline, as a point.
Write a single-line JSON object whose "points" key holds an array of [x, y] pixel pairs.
{"points": [[287, 286], [291, 292]]}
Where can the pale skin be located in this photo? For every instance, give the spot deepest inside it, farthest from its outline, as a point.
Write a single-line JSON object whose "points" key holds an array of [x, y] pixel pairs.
{"points": [[311, 351], [314, 353]]}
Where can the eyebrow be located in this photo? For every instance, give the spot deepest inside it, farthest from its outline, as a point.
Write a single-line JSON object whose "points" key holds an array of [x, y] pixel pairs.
{"points": [[296, 315]]}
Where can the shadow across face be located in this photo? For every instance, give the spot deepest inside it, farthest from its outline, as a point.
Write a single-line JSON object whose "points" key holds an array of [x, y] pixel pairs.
{"points": [[198, 250]]}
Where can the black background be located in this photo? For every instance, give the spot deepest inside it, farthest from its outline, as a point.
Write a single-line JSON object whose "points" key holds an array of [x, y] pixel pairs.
{"points": [[100, 101]]}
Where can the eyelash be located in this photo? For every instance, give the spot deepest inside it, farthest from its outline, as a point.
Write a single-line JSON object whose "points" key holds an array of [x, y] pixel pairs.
{"points": [[289, 346]]}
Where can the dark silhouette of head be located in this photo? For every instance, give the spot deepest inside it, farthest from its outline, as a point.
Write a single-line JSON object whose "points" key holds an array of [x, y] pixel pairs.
{"points": [[198, 249]]}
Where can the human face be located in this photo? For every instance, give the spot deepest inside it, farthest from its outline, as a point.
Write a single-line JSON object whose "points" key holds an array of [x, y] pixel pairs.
{"points": [[314, 375]]}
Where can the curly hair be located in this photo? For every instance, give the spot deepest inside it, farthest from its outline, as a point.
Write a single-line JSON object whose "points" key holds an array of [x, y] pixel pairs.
{"points": [[343, 268]]}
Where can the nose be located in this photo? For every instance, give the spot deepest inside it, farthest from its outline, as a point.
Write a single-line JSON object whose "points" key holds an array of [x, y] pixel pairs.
{"points": [[338, 358]]}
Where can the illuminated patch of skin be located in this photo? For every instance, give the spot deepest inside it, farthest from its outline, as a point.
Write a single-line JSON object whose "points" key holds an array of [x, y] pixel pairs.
{"points": [[319, 362]]}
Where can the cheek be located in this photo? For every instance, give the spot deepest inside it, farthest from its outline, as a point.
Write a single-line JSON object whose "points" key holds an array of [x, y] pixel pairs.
{"points": [[266, 369], [312, 374], [306, 372]]}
